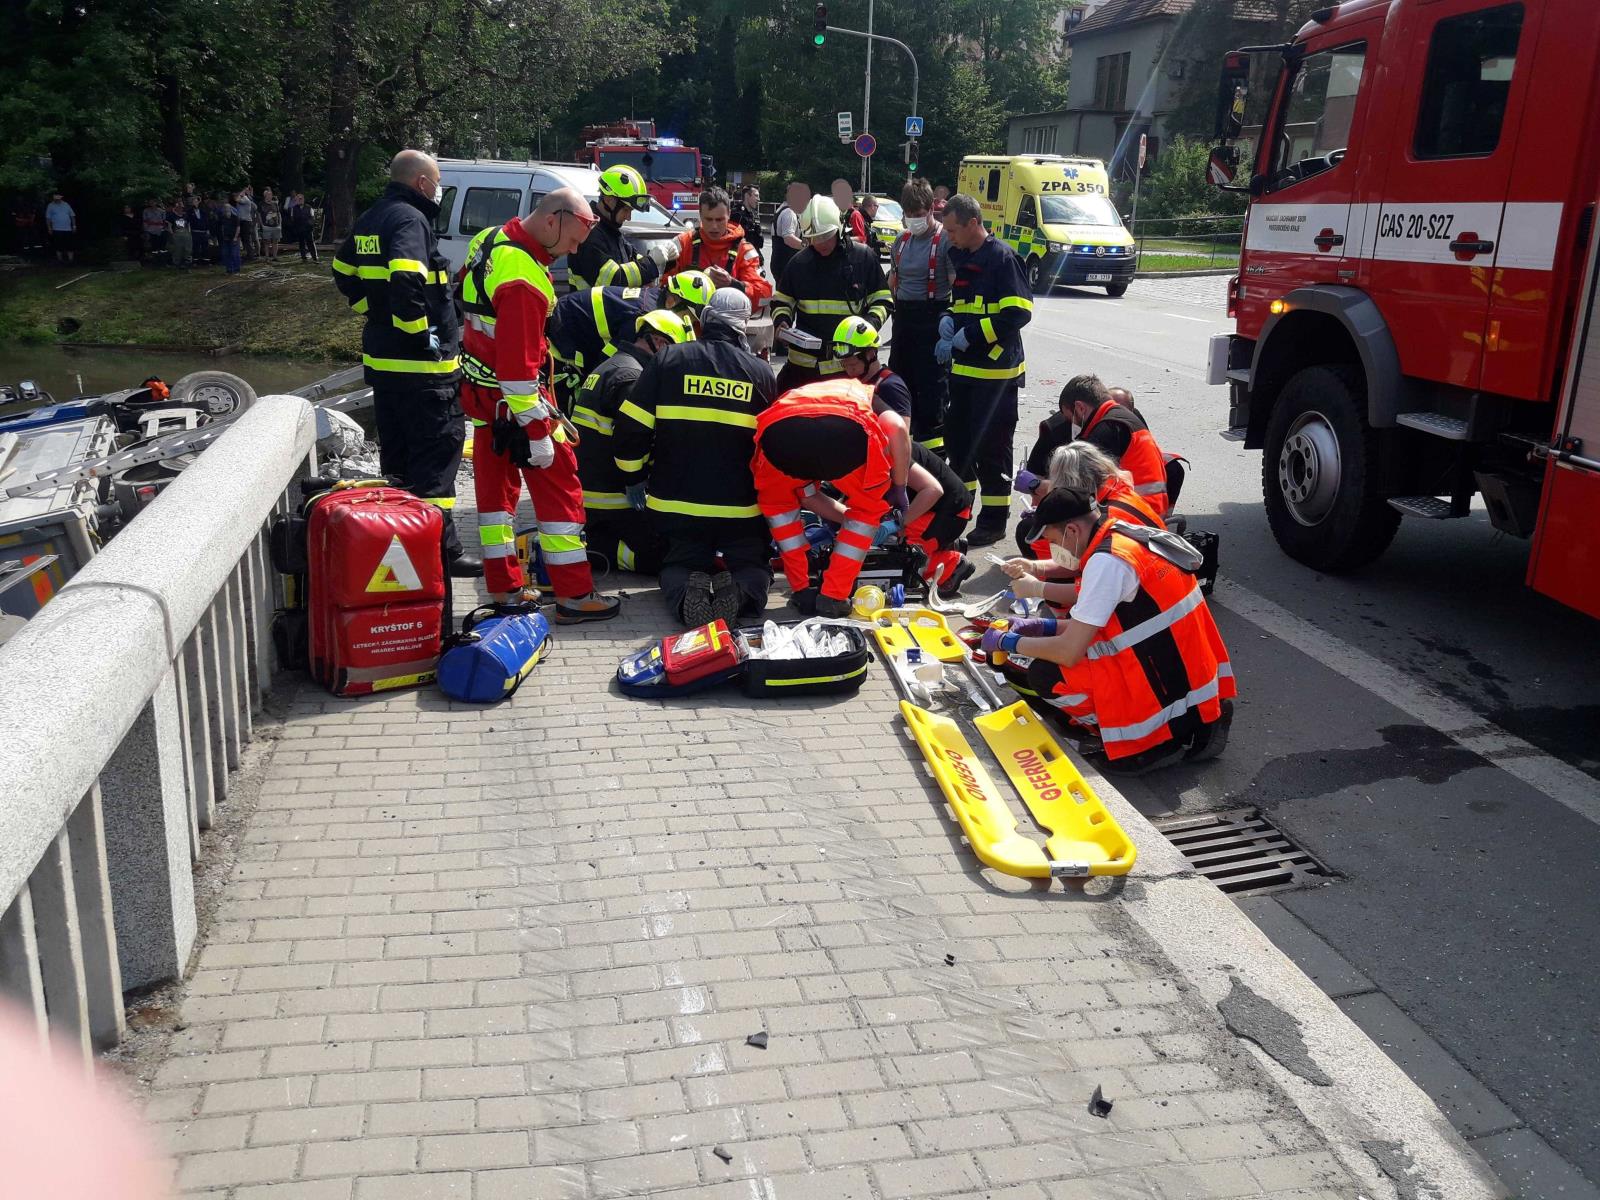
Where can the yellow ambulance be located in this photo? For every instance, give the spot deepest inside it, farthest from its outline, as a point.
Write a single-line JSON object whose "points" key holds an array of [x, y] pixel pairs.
{"points": [[1056, 213]]}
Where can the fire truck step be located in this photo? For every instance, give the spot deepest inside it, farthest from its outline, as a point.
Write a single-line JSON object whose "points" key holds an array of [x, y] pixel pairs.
{"points": [[1437, 424], [1431, 507]]}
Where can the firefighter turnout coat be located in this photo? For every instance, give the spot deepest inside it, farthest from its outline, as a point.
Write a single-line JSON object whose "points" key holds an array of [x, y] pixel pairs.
{"points": [[391, 271], [816, 291], [990, 300], [610, 257]]}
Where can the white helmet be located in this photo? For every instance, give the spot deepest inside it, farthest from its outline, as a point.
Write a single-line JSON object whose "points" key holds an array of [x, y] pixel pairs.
{"points": [[820, 218]]}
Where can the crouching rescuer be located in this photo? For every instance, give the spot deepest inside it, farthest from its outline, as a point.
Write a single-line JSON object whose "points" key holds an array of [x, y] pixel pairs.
{"points": [[827, 432], [1139, 661], [518, 437]]}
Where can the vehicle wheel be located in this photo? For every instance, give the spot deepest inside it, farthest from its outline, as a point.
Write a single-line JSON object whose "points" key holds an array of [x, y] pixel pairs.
{"points": [[215, 393], [1036, 282], [1116, 290], [1318, 472]]}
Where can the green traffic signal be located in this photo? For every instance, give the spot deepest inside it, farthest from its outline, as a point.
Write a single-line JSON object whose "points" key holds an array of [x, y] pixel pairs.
{"points": [[819, 39], [819, 23]]}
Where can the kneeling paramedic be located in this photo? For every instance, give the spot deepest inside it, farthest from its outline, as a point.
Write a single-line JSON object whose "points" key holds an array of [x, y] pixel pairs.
{"points": [[518, 437], [686, 436], [1093, 413], [1139, 661], [617, 532], [827, 432]]}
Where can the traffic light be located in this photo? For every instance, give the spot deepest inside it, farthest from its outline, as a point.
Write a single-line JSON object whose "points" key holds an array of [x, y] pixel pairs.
{"points": [[911, 156], [820, 25]]}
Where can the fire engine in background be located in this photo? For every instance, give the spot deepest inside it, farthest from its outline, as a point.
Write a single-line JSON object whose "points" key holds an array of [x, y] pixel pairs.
{"points": [[673, 172], [1415, 306]]}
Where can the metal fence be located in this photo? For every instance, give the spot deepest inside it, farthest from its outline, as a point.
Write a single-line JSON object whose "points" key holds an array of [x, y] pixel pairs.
{"points": [[124, 706], [1209, 241]]}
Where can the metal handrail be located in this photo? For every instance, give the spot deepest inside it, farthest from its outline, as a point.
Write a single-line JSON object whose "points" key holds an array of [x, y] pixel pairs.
{"points": [[124, 704]]}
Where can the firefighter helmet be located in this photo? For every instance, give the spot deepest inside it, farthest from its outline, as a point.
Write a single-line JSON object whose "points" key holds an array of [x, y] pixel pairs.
{"points": [[820, 218], [668, 324], [692, 287], [854, 335], [625, 184]]}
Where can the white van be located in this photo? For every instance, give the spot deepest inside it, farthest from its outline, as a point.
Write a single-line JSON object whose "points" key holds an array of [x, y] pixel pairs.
{"points": [[480, 192]]}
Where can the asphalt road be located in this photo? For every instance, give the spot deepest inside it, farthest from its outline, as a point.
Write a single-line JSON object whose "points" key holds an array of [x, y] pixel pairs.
{"points": [[1428, 728]]}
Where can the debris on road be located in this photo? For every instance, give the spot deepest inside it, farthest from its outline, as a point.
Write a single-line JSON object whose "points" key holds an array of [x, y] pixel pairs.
{"points": [[1099, 1106]]}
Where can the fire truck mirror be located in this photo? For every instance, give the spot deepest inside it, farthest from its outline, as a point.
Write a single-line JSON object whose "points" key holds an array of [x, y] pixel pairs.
{"points": [[1224, 165]]}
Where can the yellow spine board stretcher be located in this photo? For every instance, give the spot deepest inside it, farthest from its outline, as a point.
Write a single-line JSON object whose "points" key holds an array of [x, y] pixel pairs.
{"points": [[1084, 838]]}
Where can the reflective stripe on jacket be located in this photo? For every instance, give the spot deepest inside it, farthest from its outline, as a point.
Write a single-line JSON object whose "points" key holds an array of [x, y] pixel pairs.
{"points": [[991, 301], [609, 258], [1142, 458], [507, 295]]}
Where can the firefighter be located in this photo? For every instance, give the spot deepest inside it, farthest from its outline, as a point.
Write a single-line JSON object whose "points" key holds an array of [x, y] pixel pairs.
{"points": [[719, 248], [587, 326], [608, 256], [618, 533], [919, 276], [687, 434], [390, 269], [833, 277], [981, 338], [1139, 661], [855, 344], [826, 433], [518, 436]]}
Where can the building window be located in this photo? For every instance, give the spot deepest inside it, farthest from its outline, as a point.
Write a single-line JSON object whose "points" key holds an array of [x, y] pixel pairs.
{"points": [[1111, 81], [1471, 59], [1039, 139]]}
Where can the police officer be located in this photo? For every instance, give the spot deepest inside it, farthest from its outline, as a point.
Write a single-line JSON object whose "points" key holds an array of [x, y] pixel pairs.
{"points": [[618, 533], [390, 270], [608, 256], [688, 433], [981, 338], [834, 276]]}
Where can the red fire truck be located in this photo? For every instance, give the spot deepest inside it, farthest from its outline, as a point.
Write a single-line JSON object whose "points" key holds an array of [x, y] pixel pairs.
{"points": [[672, 170], [1416, 300]]}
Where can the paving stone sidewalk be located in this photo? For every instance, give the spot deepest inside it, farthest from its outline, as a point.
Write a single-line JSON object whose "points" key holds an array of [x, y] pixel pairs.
{"points": [[518, 953]]}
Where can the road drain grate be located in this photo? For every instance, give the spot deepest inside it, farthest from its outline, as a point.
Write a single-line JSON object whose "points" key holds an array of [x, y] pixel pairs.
{"points": [[1242, 852]]}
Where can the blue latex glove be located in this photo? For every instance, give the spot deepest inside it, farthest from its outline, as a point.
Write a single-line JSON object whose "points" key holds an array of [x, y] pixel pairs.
{"points": [[960, 339], [947, 327], [1003, 640], [888, 529], [1035, 627], [942, 351], [899, 501], [1025, 482], [635, 495]]}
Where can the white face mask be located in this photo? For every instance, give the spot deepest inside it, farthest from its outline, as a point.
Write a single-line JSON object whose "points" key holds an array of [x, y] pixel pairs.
{"points": [[438, 193], [916, 226], [1063, 557]]}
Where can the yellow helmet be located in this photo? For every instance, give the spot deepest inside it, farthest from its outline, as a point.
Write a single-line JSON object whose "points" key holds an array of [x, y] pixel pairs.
{"points": [[820, 218], [667, 324], [625, 184], [855, 335], [693, 287]]}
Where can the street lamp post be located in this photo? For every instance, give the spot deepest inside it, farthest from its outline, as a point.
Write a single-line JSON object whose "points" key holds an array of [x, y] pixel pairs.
{"points": [[916, 75]]}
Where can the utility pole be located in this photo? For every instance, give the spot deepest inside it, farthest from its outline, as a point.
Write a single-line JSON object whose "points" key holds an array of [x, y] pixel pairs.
{"points": [[916, 75], [866, 103]]}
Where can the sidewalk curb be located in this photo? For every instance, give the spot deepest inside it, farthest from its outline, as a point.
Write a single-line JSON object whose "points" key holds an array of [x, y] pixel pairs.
{"points": [[1385, 1130], [1196, 274]]}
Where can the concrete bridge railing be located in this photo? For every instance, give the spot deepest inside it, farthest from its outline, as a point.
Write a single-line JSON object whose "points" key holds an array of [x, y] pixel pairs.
{"points": [[124, 705]]}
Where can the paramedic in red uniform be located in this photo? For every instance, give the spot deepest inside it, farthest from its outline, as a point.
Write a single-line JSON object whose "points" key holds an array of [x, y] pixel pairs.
{"points": [[826, 432], [1139, 661], [718, 247], [507, 294]]}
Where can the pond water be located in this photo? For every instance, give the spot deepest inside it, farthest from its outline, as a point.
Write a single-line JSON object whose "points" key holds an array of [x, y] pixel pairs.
{"points": [[66, 372]]}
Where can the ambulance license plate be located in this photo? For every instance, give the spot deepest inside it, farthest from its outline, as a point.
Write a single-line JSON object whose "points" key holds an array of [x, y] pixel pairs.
{"points": [[1098, 278]]}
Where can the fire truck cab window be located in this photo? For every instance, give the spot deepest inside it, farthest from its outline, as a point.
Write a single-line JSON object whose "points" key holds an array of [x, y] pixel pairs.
{"points": [[1313, 131], [484, 207], [1471, 59]]}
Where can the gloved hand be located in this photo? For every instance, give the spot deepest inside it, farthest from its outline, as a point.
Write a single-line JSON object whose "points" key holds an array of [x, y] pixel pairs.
{"points": [[1016, 568], [1005, 640], [541, 453], [635, 494], [899, 501], [1027, 587], [888, 529], [960, 339], [947, 327], [942, 351], [827, 606], [1026, 482], [434, 344], [664, 253], [1035, 627], [805, 601]]}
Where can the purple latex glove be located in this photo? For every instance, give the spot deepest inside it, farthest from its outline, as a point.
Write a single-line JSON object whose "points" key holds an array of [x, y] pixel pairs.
{"points": [[1026, 482]]}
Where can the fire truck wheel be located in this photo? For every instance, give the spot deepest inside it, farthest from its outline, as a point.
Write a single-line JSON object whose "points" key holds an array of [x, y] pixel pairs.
{"points": [[1318, 474]]}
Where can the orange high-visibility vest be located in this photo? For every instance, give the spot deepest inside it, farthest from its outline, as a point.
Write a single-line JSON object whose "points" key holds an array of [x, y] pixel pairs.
{"points": [[864, 488], [1158, 657], [1142, 459]]}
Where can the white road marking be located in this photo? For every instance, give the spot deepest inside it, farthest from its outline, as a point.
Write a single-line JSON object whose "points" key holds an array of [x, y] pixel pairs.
{"points": [[1564, 784], [1202, 320]]}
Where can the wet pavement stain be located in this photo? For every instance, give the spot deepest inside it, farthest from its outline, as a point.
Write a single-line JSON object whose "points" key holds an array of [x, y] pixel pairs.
{"points": [[1570, 734], [1413, 752]]}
